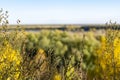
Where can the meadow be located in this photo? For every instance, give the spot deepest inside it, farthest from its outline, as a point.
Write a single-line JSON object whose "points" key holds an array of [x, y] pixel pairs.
{"points": [[57, 54]]}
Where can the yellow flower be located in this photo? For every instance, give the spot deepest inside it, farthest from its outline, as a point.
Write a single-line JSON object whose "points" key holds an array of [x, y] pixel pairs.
{"points": [[106, 54], [10, 60], [57, 76]]}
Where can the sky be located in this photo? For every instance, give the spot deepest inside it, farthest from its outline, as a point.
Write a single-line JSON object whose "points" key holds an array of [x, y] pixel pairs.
{"points": [[62, 11]]}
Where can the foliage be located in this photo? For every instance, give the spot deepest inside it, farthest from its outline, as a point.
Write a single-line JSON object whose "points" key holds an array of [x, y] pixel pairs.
{"points": [[9, 62], [10, 49], [68, 46], [58, 55], [108, 60]]}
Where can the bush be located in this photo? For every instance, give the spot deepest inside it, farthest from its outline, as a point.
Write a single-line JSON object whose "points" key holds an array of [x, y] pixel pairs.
{"points": [[108, 60], [10, 60], [67, 46]]}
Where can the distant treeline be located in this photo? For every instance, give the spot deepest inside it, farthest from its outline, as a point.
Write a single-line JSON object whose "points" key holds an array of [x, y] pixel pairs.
{"points": [[73, 27]]}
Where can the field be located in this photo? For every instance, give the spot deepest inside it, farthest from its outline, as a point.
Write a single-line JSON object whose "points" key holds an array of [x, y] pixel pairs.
{"points": [[59, 52]]}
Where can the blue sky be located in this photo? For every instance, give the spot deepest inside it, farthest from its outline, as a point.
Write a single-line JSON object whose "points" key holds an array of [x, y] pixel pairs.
{"points": [[62, 11]]}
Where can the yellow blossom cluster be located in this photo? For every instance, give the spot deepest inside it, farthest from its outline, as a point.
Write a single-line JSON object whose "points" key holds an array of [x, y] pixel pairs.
{"points": [[108, 59], [9, 62]]}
